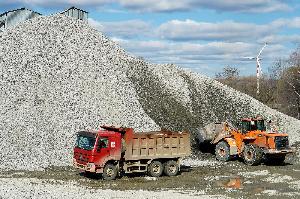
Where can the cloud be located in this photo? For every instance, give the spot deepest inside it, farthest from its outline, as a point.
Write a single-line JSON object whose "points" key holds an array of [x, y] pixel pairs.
{"points": [[281, 39], [156, 5], [291, 23], [184, 30], [190, 30], [124, 29], [226, 31], [218, 5], [254, 6], [193, 51], [53, 4], [205, 58], [223, 43]]}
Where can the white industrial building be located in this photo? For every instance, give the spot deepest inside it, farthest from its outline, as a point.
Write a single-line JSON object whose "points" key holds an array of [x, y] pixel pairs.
{"points": [[76, 13], [13, 17]]}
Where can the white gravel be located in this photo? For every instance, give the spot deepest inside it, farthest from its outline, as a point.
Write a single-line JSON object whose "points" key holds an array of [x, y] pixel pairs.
{"points": [[58, 76], [200, 163], [270, 192], [35, 188], [250, 174], [277, 178]]}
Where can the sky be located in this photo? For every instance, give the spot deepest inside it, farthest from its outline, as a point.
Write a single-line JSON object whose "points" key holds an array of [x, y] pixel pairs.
{"points": [[200, 35]]}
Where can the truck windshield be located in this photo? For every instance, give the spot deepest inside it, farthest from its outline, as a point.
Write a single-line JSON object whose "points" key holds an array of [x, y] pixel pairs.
{"points": [[85, 142]]}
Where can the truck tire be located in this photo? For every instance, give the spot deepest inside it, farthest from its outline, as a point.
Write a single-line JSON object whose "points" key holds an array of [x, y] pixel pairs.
{"points": [[171, 168], [222, 151], [110, 172], [155, 169], [252, 154]]}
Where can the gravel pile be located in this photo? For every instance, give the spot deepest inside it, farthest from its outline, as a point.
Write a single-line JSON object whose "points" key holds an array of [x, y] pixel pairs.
{"points": [[179, 99], [58, 76]]}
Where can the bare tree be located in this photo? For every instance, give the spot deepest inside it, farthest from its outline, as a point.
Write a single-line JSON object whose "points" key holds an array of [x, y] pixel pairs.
{"points": [[228, 73], [289, 85]]}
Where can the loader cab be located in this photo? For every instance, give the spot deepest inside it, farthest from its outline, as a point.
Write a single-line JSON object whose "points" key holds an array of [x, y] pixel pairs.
{"points": [[252, 125], [261, 125], [245, 126]]}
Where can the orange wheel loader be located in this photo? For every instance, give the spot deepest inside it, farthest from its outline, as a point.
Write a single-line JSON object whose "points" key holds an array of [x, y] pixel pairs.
{"points": [[251, 141]]}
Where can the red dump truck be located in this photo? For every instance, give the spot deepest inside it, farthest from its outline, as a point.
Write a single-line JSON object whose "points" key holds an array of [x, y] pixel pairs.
{"points": [[113, 151]]}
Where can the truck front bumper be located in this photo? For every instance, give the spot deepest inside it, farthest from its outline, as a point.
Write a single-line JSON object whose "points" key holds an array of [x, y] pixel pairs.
{"points": [[88, 167]]}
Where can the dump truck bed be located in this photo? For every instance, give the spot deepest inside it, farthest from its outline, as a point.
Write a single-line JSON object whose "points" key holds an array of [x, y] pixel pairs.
{"points": [[159, 144]]}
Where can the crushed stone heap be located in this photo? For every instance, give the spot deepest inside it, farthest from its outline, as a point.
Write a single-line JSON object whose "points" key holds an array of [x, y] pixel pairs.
{"points": [[58, 76]]}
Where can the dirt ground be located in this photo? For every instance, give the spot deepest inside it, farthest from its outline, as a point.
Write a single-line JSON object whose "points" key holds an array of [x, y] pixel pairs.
{"points": [[200, 172]]}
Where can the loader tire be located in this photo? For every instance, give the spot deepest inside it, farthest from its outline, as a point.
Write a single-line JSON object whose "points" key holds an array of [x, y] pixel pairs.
{"points": [[171, 168], [222, 151], [110, 172], [155, 169], [252, 154]]}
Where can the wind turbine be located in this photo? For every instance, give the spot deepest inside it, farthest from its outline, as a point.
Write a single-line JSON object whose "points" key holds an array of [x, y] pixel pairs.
{"points": [[258, 66]]}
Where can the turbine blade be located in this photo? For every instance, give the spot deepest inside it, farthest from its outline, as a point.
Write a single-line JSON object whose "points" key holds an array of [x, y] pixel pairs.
{"points": [[261, 50]]}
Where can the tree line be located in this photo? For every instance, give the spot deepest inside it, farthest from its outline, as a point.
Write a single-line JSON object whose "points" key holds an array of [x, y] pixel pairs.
{"points": [[279, 88]]}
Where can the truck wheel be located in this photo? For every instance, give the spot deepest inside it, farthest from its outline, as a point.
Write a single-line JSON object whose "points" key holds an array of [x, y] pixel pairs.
{"points": [[171, 168], [110, 172], [252, 154], [155, 169], [222, 151]]}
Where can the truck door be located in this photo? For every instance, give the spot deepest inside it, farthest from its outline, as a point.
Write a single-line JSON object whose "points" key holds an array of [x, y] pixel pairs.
{"points": [[103, 150]]}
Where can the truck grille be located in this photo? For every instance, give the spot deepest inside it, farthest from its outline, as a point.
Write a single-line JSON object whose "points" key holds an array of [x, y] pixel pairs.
{"points": [[81, 158], [281, 142]]}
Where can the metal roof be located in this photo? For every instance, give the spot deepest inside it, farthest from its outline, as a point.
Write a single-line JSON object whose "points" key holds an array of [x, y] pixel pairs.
{"points": [[17, 10], [74, 8]]}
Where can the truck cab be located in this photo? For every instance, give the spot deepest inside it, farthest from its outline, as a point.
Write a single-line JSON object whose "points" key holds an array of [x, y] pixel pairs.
{"points": [[94, 149]]}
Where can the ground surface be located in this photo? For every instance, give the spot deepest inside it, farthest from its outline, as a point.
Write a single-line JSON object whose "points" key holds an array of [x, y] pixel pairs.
{"points": [[200, 176]]}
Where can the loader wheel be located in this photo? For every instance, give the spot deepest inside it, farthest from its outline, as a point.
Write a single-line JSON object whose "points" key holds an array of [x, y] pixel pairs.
{"points": [[171, 168], [222, 151], [155, 169], [110, 172], [252, 155]]}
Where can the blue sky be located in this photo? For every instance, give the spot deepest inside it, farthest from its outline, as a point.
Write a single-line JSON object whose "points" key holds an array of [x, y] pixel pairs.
{"points": [[201, 35]]}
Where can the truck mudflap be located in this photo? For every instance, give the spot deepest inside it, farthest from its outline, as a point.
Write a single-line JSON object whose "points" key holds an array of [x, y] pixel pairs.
{"points": [[282, 151]]}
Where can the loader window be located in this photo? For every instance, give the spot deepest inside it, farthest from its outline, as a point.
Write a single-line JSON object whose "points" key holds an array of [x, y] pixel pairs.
{"points": [[261, 125], [246, 126]]}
